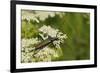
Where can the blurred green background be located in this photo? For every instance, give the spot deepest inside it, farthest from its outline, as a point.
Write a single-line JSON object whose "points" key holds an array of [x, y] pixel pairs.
{"points": [[75, 25]]}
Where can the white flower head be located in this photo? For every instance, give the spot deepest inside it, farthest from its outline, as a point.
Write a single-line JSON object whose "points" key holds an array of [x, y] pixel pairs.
{"points": [[49, 30], [53, 33], [27, 42]]}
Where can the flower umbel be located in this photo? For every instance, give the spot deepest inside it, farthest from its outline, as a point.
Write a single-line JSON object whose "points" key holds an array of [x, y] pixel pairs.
{"points": [[47, 53]]}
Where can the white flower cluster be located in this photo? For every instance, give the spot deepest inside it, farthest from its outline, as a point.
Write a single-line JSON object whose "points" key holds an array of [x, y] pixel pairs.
{"points": [[45, 54], [27, 42], [27, 14], [49, 31], [52, 33], [26, 55]]}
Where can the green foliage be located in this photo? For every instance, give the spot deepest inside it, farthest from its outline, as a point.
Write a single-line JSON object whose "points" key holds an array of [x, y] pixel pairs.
{"points": [[29, 29], [77, 27]]}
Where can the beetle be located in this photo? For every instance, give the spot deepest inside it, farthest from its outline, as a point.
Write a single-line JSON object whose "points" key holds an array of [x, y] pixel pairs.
{"points": [[46, 42]]}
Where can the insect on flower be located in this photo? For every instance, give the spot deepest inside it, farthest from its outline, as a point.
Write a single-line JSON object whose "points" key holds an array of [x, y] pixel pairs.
{"points": [[44, 43], [53, 36]]}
